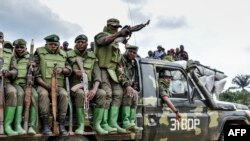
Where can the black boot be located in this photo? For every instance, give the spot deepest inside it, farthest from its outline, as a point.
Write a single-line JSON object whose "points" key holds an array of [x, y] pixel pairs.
{"points": [[63, 131], [45, 124]]}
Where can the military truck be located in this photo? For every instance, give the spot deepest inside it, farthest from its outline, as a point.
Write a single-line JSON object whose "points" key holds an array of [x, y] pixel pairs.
{"points": [[203, 116]]}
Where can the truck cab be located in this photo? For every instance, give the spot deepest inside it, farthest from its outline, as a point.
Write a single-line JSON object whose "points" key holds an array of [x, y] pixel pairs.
{"points": [[203, 117]]}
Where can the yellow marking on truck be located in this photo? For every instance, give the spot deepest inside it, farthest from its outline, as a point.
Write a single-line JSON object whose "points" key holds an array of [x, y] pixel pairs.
{"points": [[213, 118], [164, 118]]}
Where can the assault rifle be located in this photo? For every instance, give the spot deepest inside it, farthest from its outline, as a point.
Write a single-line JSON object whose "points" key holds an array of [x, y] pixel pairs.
{"points": [[70, 106], [1, 90], [132, 29], [85, 85], [54, 88], [28, 89]]}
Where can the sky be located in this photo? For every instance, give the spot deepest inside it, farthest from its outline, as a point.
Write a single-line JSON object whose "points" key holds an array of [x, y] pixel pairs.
{"points": [[214, 32]]}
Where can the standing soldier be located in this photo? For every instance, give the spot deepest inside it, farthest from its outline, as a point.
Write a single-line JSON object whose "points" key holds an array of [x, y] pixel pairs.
{"points": [[108, 54], [47, 57], [89, 62], [22, 58], [9, 72], [129, 81]]}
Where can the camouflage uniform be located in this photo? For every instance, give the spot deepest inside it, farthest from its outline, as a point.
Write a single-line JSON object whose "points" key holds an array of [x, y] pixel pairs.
{"points": [[47, 59], [20, 82], [93, 72], [10, 90], [164, 88], [128, 78], [108, 54]]}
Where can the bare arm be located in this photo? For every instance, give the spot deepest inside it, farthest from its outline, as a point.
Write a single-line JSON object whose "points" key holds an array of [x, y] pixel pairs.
{"points": [[172, 107]]}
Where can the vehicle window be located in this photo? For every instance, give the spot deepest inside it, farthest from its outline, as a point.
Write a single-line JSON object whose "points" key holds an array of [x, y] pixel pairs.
{"points": [[148, 78], [178, 87]]}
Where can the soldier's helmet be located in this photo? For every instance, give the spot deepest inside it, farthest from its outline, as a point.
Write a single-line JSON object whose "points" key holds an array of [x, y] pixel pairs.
{"points": [[164, 73]]}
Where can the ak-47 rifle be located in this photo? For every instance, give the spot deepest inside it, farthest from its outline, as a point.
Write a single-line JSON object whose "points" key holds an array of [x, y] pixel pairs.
{"points": [[1, 90], [28, 89], [55, 126], [135, 28], [85, 85]]}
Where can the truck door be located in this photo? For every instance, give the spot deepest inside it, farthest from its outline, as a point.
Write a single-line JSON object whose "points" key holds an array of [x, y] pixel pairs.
{"points": [[194, 122]]}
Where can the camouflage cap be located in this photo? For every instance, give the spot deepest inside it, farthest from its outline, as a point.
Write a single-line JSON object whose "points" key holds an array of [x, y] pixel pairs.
{"points": [[7, 44], [81, 37], [52, 38], [114, 22], [19, 42], [133, 47], [164, 73]]}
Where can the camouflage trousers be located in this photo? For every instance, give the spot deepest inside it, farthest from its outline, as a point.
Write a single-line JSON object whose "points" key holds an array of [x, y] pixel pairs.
{"points": [[10, 95], [99, 98], [113, 90], [21, 94], [130, 101], [44, 101]]}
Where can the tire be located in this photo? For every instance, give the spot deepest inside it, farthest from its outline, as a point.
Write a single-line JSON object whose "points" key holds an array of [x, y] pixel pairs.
{"points": [[73, 138], [221, 137]]}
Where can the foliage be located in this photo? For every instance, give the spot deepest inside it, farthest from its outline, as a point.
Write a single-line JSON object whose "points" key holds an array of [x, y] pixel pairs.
{"points": [[241, 97]]}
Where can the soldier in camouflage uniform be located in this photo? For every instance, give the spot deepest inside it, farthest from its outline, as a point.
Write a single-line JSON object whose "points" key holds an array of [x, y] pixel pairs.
{"points": [[129, 83], [93, 72], [164, 84], [47, 57], [9, 72], [22, 58], [108, 54]]}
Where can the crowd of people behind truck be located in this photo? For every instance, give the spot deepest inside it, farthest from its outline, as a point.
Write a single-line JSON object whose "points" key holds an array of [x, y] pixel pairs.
{"points": [[101, 74], [171, 55]]}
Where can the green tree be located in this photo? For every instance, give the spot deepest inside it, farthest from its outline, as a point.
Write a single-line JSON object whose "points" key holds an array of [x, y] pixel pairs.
{"points": [[241, 81]]}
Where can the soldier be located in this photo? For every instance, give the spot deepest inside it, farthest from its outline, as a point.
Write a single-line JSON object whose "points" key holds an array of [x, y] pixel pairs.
{"points": [[108, 54], [22, 58], [164, 84], [9, 72], [47, 57], [91, 68], [129, 81]]}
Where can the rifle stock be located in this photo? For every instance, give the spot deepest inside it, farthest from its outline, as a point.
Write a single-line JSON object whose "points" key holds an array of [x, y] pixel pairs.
{"points": [[55, 126], [85, 85], [1, 90], [28, 89]]}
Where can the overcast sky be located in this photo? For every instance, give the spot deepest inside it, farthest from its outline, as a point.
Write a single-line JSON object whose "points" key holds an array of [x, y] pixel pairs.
{"points": [[215, 32]]}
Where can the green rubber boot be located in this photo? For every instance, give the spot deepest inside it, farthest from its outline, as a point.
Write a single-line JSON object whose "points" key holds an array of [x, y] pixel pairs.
{"points": [[33, 117], [9, 113], [113, 116], [18, 120], [126, 118], [132, 120], [98, 115], [80, 121], [104, 123]]}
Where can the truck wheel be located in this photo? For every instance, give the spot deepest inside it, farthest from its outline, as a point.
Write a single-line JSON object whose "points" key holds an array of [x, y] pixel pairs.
{"points": [[221, 137], [73, 138]]}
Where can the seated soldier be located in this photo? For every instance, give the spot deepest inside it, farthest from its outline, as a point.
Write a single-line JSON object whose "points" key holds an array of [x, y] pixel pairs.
{"points": [[164, 83]]}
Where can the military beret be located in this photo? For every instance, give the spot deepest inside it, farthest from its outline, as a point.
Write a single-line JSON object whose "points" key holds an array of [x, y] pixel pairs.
{"points": [[114, 22], [1, 33], [52, 38], [133, 47], [19, 42], [81, 37]]}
